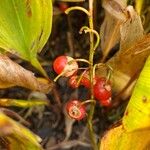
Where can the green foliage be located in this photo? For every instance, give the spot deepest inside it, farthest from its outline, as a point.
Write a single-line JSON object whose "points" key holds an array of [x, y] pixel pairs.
{"points": [[137, 115], [25, 26]]}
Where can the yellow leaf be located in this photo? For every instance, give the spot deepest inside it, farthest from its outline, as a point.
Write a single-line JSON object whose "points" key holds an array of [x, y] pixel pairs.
{"points": [[119, 139]]}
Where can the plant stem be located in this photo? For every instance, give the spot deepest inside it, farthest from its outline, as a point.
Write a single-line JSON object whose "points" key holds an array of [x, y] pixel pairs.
{"points": [[91, 55]]}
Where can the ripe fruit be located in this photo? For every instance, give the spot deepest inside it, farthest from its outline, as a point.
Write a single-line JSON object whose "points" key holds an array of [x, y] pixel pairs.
{"points": [[63, 6], [73, 82], [106, 102], [102, 91], [75, 109], [85, 82], [65, 64]]}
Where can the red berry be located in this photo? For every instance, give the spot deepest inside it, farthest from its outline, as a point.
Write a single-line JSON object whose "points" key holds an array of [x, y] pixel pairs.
{"points": [[102, 90], [106, 102], [66, 64], [73, 82], [85, 82], [63, 6], [75, 109]]}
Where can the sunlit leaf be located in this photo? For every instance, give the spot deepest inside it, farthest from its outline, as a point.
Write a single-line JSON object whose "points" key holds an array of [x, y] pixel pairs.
{"points": [[16, 136], [137, 115], [25, 26], [139, 5], [134, 133], [118, 139]]}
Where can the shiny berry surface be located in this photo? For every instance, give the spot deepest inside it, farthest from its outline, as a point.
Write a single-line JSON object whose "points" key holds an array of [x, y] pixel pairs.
{"points": [[102, 90], [65, 64], [86, 81], [59, 64], [75, 109]]}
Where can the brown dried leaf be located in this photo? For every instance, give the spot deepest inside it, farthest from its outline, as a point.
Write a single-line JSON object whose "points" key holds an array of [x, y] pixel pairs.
{"points": [[128, 63], [116, 8], [12, 74], [134, 46], [115, 15], [131, 31], [109, 33]]}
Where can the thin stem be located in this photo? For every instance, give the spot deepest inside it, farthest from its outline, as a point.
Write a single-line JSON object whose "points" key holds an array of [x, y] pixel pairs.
{"points": [[86, 30], [77, 8], [58, 76], [91, 55], [81, 76], [88, 101], [83, 60], [97, 36]]}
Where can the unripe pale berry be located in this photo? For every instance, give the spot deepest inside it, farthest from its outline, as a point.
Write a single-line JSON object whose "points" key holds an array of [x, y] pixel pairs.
{"points": [[75, 109], [65, 64]]}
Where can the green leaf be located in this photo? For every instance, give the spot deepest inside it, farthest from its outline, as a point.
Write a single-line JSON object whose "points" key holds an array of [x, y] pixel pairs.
{"points": [[25, 26], [5, 102], [137, 115], [17, 136]]}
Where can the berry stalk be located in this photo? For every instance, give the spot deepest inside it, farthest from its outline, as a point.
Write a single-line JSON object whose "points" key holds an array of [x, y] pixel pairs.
{"points": [[91, 56]]}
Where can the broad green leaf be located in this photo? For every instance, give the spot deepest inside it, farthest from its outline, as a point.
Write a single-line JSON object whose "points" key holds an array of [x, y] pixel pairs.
{"points": [[17, 136], [134, 132], [5, 102], [25, 26]]}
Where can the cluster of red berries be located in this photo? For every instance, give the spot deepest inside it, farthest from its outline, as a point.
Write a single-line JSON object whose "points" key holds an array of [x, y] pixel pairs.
{"points": [[68, 67]]}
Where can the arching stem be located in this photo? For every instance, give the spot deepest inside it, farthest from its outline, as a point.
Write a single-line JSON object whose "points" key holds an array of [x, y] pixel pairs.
{"points": [[88, 30], [77, 8]]}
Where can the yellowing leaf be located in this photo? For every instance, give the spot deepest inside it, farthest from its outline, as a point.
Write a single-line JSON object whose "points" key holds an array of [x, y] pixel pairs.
{"points": [[134, 132], [17, 136], [119, 139], [137, 115], [25, 26]]}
